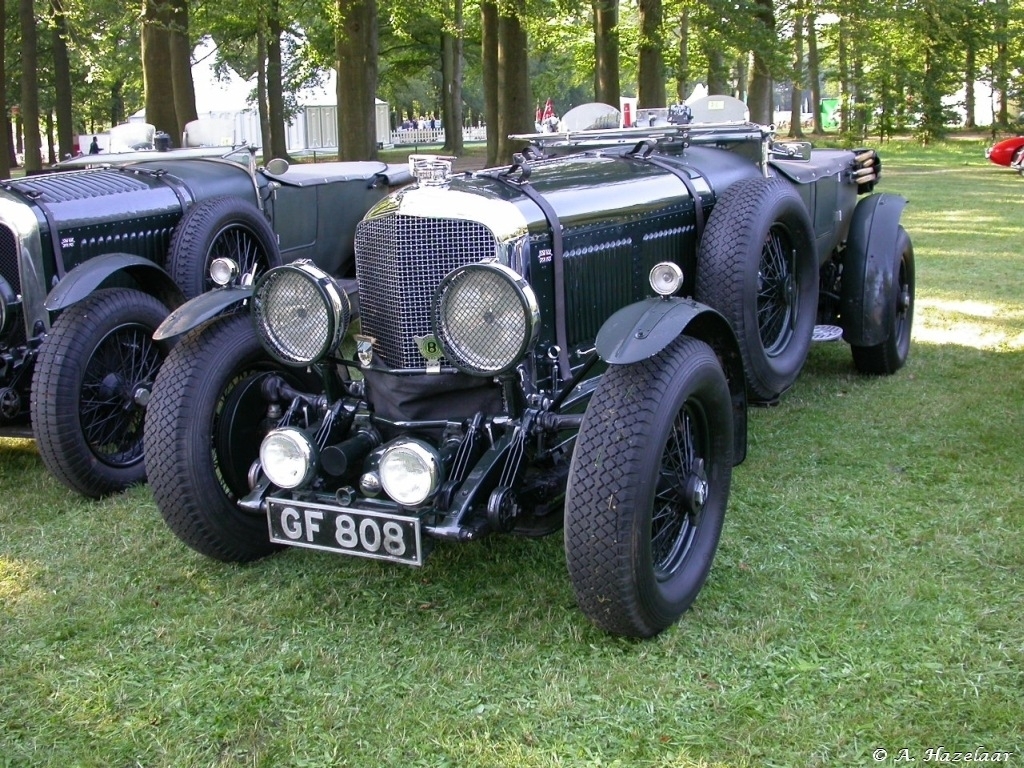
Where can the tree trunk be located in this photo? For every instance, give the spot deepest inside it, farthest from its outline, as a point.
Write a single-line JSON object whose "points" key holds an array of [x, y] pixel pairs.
{"points": [[451, 69], [30, 86], [844, 77], [62, 81], [275, 85], [651, 75], [813, 74], [156, 67], [356, 52], [718, 73], [606, 52], [1001, 67], [970, 75], [180, 47], [489, 64], [796, 129], [515, 108], [759, 98], [5, 123], [261, 90], [683, 70]]}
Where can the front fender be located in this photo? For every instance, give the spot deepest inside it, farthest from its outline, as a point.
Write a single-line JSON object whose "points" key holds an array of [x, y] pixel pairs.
{"points": [[203, 307], [866, 303], [81, 281], [640, 331]]}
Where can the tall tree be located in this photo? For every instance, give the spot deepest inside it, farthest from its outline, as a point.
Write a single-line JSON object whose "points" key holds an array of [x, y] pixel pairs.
{"points": [[683, 63], [759, 94], [489, 64], [813, 70], [515, 108], [5, 123], [606, 51], [796, 129], [359, 27], [180, 51], [451, 78], [30, 86], [156, 66], [651, 80], [62, 79], [356, 61]]}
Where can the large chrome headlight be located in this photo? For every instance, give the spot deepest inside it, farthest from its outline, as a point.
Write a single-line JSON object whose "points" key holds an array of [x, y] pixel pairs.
{"points": [[485, 317], [288, 457], [301, 314], [410, 471]]}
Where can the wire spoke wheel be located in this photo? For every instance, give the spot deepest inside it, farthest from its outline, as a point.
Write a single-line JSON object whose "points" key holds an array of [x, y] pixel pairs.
{"points": [[116, 384], [776, 292], [648, 487]]}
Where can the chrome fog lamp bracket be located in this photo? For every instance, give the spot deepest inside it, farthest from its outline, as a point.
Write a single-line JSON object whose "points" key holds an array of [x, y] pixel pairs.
{"points": [[223, 271], [301, 314], [288, 457], [410, 471], [485, 317], [666, 278]]}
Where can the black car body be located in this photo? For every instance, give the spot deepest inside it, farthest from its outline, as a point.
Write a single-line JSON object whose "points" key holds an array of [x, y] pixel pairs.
{"points": [[512, 371], [92, 260]]}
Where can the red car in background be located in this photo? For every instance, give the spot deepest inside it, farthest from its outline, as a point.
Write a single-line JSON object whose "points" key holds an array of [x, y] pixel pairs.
{"points": [[1009, 152]]}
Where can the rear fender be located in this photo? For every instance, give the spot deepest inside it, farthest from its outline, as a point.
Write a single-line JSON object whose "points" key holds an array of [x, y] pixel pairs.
{"points": [[866, 305], [642, 330], [203, 307], [81, 281]]}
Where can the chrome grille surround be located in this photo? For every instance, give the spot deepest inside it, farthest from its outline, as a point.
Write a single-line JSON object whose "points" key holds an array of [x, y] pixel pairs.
{"points": [[23, 266], [404, 249]]}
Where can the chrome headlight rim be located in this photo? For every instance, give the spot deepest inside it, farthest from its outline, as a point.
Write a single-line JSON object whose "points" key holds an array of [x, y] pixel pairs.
{"points": [[302, 447], [332, 299], [426, 459], [511, 357]]}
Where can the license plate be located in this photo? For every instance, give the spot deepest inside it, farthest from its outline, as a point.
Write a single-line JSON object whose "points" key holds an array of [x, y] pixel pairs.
{"points": [[359, 532]]}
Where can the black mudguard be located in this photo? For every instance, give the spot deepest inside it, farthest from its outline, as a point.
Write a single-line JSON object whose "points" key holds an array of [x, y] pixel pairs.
{"points": [[203, 307], [81, 281], [869, 264], [640, 331]]}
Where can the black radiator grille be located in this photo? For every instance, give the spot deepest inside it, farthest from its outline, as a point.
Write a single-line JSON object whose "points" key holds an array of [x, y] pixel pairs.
{"points": [[9, 271], [400, 261]]}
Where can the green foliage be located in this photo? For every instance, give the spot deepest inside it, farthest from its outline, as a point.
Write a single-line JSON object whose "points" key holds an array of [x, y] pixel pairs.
{"points": [[866, 593]]}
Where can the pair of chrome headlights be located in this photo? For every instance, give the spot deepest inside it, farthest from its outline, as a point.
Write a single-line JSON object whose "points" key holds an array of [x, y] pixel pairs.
{"points": [[408, 470], [485, 316]]}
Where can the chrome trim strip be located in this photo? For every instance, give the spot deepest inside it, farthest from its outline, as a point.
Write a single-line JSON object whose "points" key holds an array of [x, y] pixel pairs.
{"points": [[21, 219]]}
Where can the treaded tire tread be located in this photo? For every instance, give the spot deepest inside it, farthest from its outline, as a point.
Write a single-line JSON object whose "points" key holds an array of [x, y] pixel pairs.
{"points": [[607, 484], [727, 264], [57, 386], [179, 427]]}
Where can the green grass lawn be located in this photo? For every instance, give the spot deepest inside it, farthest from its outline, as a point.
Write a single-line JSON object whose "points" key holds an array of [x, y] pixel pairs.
{"points": [[867, 593]]}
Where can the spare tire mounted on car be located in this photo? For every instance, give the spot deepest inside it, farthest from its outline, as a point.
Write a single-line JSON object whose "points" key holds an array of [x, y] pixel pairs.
{"points": [[757, 266]]}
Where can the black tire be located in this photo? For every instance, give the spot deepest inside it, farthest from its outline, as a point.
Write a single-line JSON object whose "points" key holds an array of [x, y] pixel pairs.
{"points": [[889, 356], [220, 227], [90, 386], [757, 266], [203, 431], [652, 432]]}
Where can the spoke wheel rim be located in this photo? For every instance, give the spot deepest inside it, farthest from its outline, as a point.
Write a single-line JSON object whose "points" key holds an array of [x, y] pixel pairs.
{"points": [[117, 381], [776, 292], [681, 491]]}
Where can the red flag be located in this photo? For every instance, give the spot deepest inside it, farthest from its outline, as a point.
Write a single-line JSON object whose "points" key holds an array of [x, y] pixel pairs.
{"points": [[549, 110]]}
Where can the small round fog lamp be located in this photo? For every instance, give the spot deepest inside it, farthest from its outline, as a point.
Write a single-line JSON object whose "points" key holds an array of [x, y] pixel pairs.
{"points": [[223, 271], [288, 457], [410, 471], [666, 278]]}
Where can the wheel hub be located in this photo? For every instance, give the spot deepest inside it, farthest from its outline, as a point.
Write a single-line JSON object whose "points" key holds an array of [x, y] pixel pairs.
{"points": [[697, 489]]}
